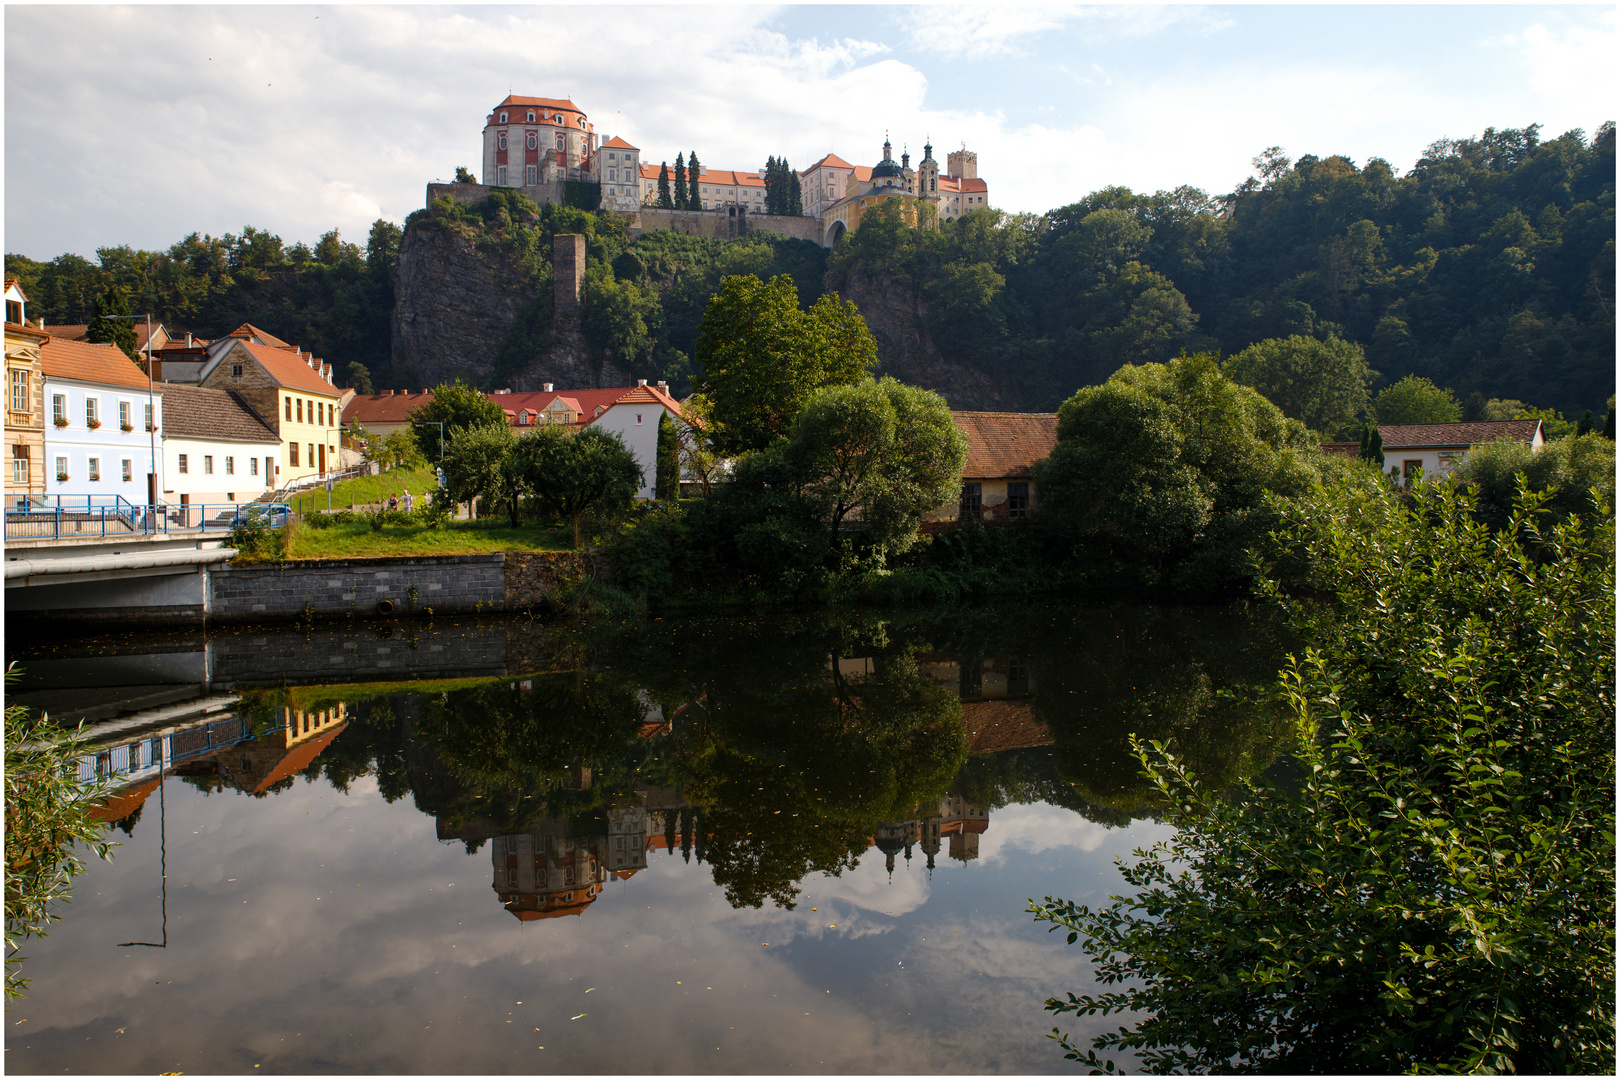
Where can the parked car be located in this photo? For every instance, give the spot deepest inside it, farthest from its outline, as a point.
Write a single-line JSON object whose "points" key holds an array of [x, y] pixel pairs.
{"points": [[274, 515]]}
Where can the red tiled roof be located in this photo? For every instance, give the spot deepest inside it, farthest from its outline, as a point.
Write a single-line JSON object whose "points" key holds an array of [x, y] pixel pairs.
{"points": [[1002, 725], [974, 184], [202, 412], [1440, 436], [557, 104], [288, 370], [249, 332], [119, 806], [28, 331], [68, 331], [617, 143], [1005, 445], [649, 395], [832, 161], [722, 177], [384, 408], [85, 362]]}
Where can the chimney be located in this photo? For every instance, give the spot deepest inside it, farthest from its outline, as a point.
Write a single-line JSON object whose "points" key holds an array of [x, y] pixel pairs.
{"points": [[188, 339], [390, 394], [547, 387], [424, 389], [641, 382], [664, 386]]}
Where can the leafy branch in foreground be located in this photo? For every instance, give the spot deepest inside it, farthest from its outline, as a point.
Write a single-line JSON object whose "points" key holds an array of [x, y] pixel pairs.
{"points": [[49, 811], [1437, 893]]}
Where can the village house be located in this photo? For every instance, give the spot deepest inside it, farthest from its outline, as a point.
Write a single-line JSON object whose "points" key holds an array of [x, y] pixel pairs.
{"points": [[998, 481], [216, 447], [287, 387], [25, 395], [385, 413], [1432, 451], [105, 416], [630, 412]]}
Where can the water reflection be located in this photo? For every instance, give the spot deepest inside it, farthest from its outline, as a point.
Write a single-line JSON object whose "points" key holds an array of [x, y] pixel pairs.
{"points": [[833, 782]]}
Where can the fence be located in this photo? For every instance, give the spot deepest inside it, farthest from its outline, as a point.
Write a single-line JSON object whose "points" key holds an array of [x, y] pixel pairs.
{"points": [[70, 517]]}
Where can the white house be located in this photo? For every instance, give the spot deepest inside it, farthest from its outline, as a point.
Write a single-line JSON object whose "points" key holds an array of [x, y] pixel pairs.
{"points": [[1433, 450], [101, 422], [216, 447], [633, 417]]}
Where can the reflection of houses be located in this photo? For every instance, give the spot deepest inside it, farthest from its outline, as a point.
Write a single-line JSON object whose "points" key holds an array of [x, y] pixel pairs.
{"points": [[256, 766], [545, 873], [979, 679], [955, 822]]}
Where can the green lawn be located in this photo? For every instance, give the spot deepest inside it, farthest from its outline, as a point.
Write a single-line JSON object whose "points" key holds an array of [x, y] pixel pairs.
{"points": [[367, 490], [356, 540]]}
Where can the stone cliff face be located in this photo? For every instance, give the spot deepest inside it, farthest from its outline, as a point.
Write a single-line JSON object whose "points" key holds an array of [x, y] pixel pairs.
{"points": [[898, 319], [455, 299]]}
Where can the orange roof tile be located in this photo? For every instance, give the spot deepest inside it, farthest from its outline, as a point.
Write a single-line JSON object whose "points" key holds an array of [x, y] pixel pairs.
{"points": [[120, 805], [85, 362], [617, 143], [384, 408], [832, 161], [288, 370], [27, 331], [559, 104], [251, 333], [1002, 725], [974, 184], [1005, 445], [297, 758], [649, 395], [1438, 436]]}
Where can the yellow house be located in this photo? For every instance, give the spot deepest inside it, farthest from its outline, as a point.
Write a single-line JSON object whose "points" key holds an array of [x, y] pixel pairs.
{"points": [[25, 405], [290, 389]]}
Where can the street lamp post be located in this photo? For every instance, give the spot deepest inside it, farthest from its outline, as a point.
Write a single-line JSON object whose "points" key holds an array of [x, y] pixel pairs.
{"points": [[152, 480]]}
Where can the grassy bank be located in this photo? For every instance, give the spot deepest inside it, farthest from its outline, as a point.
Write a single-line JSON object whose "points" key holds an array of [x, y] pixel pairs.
{"points": [[357, 540], [367, 490]]}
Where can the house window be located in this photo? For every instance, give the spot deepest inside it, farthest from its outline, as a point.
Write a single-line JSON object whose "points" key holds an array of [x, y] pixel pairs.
{"points": [[312, 455], [123, 416], [500, 176], [59, 409], [129, 470], [208, 464], [148, 411], [1018, 499], [230, 466], [94, 472], [972, 502], [300, 410], [292, 454], [1412, 470], [236, 371], [91, 420], [183, 467], [638, 418], [253, 466], [289, 408], [61, 469], [19, 390], [19, 464], [530, 175]]}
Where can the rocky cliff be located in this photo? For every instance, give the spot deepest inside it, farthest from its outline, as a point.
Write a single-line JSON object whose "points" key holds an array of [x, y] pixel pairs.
{"points": [[455, 301], [898, 319]]}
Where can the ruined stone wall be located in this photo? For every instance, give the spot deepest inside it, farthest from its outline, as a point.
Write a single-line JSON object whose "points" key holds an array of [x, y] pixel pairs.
{"points": [[726, 223]]}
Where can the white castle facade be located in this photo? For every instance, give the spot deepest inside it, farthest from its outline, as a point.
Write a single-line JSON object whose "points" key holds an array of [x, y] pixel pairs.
{"points": [[538, 143]]}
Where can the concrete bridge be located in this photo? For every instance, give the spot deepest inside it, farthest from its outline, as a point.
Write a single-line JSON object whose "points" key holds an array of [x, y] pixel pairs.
{"points": [[134, 576]]}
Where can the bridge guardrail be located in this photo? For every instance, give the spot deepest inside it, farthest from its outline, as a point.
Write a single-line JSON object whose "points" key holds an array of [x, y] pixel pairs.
{"points": [[75, 517]]}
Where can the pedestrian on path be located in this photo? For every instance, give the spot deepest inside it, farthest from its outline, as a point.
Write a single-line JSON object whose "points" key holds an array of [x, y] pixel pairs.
{"points": [[406, 502], [393, 501]]}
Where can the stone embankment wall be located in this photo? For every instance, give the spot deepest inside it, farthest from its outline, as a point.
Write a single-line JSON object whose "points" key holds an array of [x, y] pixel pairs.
{"points": [[368, 588], [725, 223]]}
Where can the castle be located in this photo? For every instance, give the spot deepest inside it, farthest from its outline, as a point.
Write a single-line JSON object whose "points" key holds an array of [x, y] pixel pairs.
{"points": [[539, 144]]}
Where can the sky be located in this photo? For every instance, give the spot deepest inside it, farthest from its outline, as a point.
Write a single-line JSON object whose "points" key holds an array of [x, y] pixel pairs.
{"points": [[139, 125]]}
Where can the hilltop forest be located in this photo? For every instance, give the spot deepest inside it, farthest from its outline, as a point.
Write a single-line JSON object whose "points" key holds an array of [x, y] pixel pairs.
{"points": [[1488, 267]]}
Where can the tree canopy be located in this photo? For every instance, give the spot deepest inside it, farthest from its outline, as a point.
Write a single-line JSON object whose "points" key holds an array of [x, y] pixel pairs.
{"points": [[455, 405], [762, 357], [1416, 400], [1322, 384]]}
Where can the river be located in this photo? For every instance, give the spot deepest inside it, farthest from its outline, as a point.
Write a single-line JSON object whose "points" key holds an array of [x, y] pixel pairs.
{"points": [[802, 843]]}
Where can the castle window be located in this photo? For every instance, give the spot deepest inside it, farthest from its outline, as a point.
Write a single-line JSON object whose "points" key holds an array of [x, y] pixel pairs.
{"points": [[503, 118], [560, 144], [534, 141], [501, 141], [531, 118]]}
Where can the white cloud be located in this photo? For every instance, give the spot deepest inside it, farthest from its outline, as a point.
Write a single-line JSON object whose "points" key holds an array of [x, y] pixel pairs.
{"points": [[1570, 61], [962, 32]]}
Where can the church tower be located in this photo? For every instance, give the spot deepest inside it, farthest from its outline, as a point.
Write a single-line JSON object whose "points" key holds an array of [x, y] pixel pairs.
{"points": [[928, 173]]}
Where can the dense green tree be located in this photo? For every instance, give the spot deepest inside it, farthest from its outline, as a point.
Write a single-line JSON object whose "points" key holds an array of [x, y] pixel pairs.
{"points": [[694, 180], [463, 176], [473, 464], [1416, 400], [681, 198], [1576, 473], [572, 475], [454, 405], [665, 200], [762, 357], [1322, 384], [1166, 469], [668, 472], [888, 451], [1435, 892], [358, 377], [104, 329]]}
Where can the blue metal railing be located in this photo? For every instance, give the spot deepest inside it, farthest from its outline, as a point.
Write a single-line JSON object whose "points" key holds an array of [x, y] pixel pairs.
{"points": [[70, 517]]}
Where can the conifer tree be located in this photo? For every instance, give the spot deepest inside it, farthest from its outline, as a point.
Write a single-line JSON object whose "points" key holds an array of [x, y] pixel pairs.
{"points": [[680, 182], [664, 200], [770, 185], [795, 204], [1586, 424], [119, 332], [694, 176]]}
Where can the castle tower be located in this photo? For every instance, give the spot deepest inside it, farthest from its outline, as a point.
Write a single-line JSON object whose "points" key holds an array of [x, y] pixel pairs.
{"points": [[928, 173], [963, 164]]}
